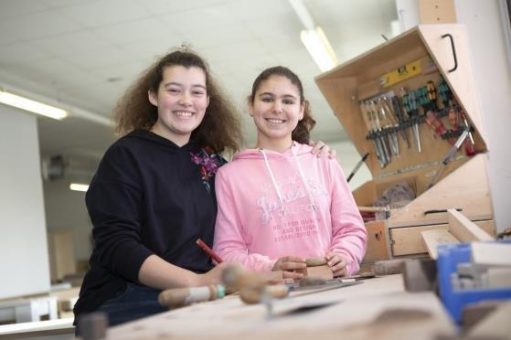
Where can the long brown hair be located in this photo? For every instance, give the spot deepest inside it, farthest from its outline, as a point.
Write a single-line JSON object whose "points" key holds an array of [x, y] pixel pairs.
{"points": [[301, 133], [220, 129]]}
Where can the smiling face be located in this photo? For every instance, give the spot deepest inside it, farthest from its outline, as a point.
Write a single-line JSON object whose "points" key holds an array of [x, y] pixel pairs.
{"points": [[182, 100], [276, 108]]}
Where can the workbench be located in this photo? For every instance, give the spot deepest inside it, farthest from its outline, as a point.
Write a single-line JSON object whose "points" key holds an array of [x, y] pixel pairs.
{"points": [[376, 308]]}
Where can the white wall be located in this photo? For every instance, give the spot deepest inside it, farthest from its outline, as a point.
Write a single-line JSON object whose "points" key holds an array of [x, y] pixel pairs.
{"points": [[24, 267], [489, 35]]}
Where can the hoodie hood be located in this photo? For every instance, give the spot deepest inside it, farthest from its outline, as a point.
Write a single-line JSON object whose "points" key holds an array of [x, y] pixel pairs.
{"points": [[296, 149], [152, 137]]}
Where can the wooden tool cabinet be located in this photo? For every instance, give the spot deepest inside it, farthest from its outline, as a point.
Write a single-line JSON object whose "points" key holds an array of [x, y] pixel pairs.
{"points": [[462, 184]]}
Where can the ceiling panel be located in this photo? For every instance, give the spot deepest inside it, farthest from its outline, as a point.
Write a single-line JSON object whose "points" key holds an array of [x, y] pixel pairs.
{"points": [[134, 31], [102, 13], [14, 9], [34, 26], [70, 44]]}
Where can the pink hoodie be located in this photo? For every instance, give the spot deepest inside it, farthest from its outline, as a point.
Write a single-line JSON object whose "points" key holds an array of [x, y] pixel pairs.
{"points": [[273, 204]]}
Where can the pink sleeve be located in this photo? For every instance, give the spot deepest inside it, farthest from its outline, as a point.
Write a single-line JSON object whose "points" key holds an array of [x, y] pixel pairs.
{"points": [[349, 234], [230, 242]]}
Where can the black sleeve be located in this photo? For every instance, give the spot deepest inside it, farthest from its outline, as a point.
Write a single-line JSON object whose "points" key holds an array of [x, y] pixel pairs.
{"points": [[114, 202]]}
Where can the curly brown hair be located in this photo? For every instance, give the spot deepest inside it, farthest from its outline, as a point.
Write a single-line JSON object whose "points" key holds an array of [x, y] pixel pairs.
{"points": [[220, 129], [301, 133]]}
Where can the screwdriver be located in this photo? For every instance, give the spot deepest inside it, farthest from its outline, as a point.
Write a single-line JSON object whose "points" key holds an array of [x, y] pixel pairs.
{"points": [[450, 156], [410, 107]]}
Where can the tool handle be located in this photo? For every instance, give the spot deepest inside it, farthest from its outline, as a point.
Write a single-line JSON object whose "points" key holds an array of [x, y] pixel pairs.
{"points": [[252, 295], [178, 297], [435, 123], [365, 117]]}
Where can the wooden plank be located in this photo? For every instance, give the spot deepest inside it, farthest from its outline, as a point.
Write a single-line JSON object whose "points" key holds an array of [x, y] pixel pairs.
{"points": [[321, 272], [435, 237], [437, 11], [491, 253], [464, 229], [451, 191], [377, 245], [408, 240], [366, 193]]}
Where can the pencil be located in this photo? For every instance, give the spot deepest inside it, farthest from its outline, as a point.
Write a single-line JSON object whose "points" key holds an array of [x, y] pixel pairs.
{"points": [[359, 164], [209, 251]]}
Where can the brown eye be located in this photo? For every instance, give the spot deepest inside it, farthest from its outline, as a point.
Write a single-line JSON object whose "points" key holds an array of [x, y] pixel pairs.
{"points": [[198, 93]]}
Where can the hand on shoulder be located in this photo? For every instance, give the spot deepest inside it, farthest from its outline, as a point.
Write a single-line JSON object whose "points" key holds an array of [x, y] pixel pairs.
{"points": [[322, 150]]}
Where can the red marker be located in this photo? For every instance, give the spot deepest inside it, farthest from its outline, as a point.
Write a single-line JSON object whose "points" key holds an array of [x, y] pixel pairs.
{"points": [[209, 251]]}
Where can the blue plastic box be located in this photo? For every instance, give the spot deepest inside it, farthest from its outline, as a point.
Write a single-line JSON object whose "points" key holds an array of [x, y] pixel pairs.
{"points": [[455, 299]]}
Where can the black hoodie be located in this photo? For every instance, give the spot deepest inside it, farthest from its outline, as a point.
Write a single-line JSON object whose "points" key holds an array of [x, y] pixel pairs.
{"points": [[147, 197]]}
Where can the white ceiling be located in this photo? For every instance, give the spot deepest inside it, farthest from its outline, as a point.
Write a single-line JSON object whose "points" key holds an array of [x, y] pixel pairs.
{"points": [[84, 54]]}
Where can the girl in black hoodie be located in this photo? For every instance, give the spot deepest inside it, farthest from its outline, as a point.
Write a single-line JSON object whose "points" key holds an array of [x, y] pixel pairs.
{"points": [[153, 194]]}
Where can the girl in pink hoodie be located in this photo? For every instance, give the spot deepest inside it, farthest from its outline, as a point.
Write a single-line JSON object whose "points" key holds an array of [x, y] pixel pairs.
{"points": [[279, 204]]}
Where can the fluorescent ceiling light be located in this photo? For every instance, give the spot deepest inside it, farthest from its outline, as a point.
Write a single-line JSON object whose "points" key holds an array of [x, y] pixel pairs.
{"points": [[31, 105], [319, 48], [303, 14], [79, 187], [314, 38]]}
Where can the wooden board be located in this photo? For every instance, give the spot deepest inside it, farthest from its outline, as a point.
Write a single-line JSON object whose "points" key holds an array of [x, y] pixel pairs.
{"points": [[464, 229], [377, 244], [491, 254], [435, 237], [321, 272], [377, 308], [437, 11], [408, 240], [450, 192]]}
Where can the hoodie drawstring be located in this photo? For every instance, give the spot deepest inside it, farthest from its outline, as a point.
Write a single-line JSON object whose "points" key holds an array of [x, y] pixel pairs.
{"points": [[272, 178], [300, 171], [309, 193]]}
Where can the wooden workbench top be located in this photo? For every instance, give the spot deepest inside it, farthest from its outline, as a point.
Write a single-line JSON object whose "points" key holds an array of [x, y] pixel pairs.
{"points": [[378, 308]]}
